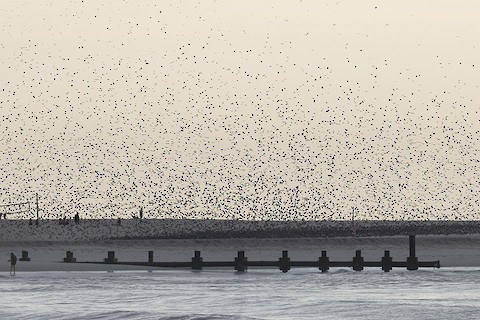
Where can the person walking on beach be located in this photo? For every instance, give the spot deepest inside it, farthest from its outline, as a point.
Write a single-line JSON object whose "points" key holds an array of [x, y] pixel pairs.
{"points": [[13, 262]]}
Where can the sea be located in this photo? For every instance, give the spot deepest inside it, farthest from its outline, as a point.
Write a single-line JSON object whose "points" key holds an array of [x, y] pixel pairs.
{"points": [[262, 293]]}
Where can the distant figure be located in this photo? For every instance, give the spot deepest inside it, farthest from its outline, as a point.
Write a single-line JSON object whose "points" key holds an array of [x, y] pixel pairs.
{"points": [[30, 222], [13, 262], [119, 221], [37, 222], [60, 221], [77, 218], [353, 231], [4, 216], [141, 213]]}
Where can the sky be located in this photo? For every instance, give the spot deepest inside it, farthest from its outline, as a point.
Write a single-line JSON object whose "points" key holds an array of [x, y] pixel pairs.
{"points": [[241, 110]]}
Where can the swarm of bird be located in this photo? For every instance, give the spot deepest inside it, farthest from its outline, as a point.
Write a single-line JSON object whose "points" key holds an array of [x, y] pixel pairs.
{"points": [[267, 111]]}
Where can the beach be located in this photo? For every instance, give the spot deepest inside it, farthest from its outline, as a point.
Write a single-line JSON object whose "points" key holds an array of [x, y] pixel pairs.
{"points": [[90, 240], [47, 287]]}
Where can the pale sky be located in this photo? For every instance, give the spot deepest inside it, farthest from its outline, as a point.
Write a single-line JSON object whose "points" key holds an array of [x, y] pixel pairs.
{"points": [[247, 109]]}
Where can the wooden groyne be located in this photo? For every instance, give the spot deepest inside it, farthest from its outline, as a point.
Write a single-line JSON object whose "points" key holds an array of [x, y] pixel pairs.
{"points": [[284, 263]]}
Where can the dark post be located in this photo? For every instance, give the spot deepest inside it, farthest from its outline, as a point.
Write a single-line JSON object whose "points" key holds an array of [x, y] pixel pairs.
{"points": [[24, 256], [36, 202], [150, 256], [412, 260], [241, 262], [358, 261], [197, 261], [324, 262], [284, 262], [411, 241], [69, 257], [111, 257], [387, 263]]}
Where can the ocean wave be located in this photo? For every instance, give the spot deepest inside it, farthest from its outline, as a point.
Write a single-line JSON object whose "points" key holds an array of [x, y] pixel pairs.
{"points": [[208, 317]]}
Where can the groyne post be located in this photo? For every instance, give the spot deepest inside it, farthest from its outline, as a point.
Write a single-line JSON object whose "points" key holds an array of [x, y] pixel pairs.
{"points": [[412, 260], [387, 262], [241, 261], [197, 261], [150, 256], [357, 262], [284, 262], [24, 256], [324, 262], [110, 257], [69, 257]]}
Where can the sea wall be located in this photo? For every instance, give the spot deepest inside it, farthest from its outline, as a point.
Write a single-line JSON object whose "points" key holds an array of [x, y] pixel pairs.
{"points": [[93, 229]]}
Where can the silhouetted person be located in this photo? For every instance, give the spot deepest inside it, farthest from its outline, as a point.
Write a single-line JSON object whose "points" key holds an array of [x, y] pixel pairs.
{"points": [[30, 222], [141, 213], [77, 218], [13, 262]]}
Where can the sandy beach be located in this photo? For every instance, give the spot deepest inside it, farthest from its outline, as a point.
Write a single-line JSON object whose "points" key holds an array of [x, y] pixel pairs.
{"points": [[90, 241]]}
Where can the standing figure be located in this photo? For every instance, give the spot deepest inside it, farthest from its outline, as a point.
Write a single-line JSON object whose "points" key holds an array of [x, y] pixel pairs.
{"points": [[13, 262]]}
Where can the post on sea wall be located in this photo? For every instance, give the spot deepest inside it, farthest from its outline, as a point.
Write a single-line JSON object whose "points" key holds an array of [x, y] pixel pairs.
{"points": [[110, 257], [357, 262], [24, 256], [412, 260], [387, 261], [241, 262], [284, 262], [197, 261], [36, 204], [69, 257], [324, 262]]}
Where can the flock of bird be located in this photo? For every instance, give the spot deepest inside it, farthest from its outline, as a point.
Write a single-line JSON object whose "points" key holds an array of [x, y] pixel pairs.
{"points": [[106, 109]]}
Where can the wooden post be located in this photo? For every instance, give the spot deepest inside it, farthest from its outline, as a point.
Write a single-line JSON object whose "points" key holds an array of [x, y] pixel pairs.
{"points": [[411, 240], [197, 261], [150, 256], [412, 260], [284, 262], [358, 261], [387, 264], [69, 257], [36, 202], [324, 262], [241, 261], [111, 257], [24, 256]]}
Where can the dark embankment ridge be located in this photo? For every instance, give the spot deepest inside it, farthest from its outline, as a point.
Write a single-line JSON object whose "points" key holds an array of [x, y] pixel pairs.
{"points": [[104, 229]]}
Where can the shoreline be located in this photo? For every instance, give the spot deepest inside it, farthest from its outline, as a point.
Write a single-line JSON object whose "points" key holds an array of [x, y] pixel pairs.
{"points": [[454, 243], [450, 250]]}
